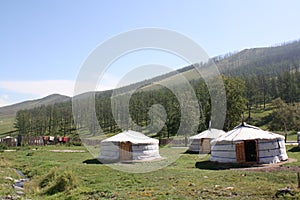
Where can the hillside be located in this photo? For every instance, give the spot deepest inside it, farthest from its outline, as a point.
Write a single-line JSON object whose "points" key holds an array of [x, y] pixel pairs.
{"points": [[7, 113], [267, 61], [48, 100]]}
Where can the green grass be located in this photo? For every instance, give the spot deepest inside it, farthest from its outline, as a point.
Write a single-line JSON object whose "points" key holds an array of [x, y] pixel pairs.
{"points": [[259, 115], [259, 118], [180, 180], [6, 124]]}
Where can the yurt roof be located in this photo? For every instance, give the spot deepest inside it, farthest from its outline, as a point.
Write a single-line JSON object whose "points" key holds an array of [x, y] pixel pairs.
{"points": [[209, 133], [133, 137], [247, 132]]}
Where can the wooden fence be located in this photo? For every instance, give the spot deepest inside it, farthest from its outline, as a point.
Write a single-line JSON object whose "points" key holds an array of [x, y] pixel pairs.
{"points": [[32, 141], [40, 141], [174, 142]]}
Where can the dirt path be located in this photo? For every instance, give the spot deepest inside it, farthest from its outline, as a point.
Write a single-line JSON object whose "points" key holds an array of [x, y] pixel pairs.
{"points": [[67, 151], [273, 167]]}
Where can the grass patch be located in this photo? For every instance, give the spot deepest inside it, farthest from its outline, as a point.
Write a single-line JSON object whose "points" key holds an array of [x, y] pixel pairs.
{"points": [[58, 180], [6, 124], [57, 175]]}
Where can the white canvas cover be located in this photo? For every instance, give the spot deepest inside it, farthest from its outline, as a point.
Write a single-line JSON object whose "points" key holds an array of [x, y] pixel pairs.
{"points": [[270, 146], [196, 140], [133, 137], [142, 146]]}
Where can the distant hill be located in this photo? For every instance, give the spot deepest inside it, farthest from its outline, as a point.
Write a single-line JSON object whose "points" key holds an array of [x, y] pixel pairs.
{"points": [[48, 100], [268, 61], [248, 62]]}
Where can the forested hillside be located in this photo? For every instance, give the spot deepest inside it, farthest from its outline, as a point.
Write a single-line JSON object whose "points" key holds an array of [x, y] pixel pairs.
{"points": [[58, 119], [253, 78], [268, 61], [49, 100]]}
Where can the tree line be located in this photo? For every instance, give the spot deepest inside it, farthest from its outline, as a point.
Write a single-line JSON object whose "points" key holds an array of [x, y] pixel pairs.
{"points": [[261, 90], [58, 119], [281, 92]]}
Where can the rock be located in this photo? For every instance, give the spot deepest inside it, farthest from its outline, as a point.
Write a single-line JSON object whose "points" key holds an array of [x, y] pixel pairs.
{"points": [[9, 178], [20, 192], [17, 187], [229, 188], [284, 191], [19, 184], [7, 197], [24, 179], [205, 176], [9, 150]]}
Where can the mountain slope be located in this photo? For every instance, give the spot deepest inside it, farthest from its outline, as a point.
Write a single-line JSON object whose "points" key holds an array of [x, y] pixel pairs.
{"points": [[48, 100], [249, 62], [268, 61]]}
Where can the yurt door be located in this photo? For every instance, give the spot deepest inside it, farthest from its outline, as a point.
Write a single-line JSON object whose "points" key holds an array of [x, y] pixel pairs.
{"points": [[125, 151], [240, 152], [251, 151], [205, 145]]}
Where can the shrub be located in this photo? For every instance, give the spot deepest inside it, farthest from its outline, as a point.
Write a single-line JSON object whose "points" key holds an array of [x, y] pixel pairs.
{"points": [[3, 146], [58, 181], [73, 143]]}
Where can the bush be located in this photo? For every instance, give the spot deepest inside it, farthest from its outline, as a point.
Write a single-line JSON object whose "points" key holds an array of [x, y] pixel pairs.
{"points": [[3, 146], [58, 181], [74, 143], [29, 154]]}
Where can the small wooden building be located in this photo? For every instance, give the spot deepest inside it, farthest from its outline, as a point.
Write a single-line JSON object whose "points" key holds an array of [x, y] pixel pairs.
{"points": [[10, 141], [201, 142], [129, 145], [247, 143]]}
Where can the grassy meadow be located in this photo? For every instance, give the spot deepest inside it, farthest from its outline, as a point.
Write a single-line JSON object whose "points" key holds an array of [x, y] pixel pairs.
{"points": [[6, 124], [77, 175], [58, 175]]}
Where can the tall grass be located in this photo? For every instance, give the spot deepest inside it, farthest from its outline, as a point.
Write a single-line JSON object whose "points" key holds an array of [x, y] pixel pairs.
{"points": [[57, 180]]}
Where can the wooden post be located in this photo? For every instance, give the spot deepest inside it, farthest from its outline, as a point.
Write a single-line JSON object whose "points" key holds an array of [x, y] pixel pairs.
{"points": [[298, 175], [285, 137]]}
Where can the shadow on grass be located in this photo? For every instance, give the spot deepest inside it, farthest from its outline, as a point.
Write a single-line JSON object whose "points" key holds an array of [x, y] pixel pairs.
{"points": [[92, 161], [294, 149], [209, 165], [195, 152], [190, 152]]}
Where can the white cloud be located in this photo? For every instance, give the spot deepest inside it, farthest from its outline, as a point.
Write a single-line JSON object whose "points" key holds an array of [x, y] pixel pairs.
{"points": [[47, 87], [39, 88], [107, 82], [4, 100]]}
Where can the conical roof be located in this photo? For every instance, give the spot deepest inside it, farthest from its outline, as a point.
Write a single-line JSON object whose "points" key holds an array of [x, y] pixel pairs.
{"points": [[209, 133], [247, 132], [133, 137]]}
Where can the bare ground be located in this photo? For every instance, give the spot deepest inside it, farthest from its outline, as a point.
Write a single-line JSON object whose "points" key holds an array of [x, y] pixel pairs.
{"points": [[273, 167]]}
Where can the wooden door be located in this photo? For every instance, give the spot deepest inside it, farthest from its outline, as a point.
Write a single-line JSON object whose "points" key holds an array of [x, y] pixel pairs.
{"points": [[240, 152], [205, 145], [125, 151]]}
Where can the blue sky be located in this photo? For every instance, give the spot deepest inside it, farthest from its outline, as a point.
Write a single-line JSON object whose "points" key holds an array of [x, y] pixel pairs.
{"points": [[44, 43]]}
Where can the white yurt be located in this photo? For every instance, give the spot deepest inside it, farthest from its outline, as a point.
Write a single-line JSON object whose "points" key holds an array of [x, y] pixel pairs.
{"points": [[201, 142], [129, 145], [247, 143]]}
